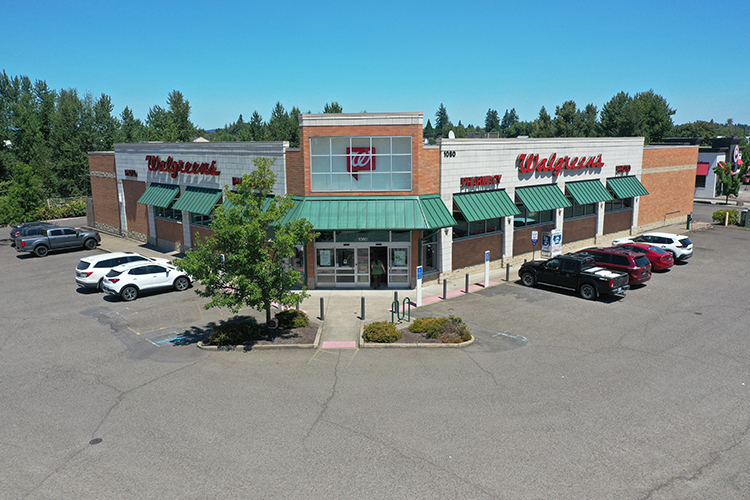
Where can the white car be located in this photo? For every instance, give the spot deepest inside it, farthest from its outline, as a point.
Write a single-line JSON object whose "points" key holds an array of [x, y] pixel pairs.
{"points": [[680, 245], [91, 270], [129, 280]]}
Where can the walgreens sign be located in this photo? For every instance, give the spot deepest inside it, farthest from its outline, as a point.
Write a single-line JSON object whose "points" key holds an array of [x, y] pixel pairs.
{"points": [[360, 159], [174, 167], [527, 163]]}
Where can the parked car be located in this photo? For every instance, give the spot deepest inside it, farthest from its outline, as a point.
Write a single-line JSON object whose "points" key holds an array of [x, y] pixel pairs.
{"points": [[575, 272], [131, 279], [18, 230], [91, 270], [635, 265], [680, 246], [58, 238], [660, 259]]}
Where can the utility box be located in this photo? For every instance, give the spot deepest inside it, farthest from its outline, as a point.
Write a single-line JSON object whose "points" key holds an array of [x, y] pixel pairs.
{"points": [[551, 243], [743, 218]]}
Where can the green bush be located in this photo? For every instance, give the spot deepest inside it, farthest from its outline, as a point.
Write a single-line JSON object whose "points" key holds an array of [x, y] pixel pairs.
{"points": [[292, 318], [236, 333], [720, 216], [448, 330], [71, 208], [381, 331]]}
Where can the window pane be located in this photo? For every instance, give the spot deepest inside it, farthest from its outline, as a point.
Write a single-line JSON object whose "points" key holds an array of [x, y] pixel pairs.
{"points": [[320, 146], [401, 236], [320, 164], [320, 182], [401, 182], [402, 163], [382, 145], [401, 145], [339, 145]]}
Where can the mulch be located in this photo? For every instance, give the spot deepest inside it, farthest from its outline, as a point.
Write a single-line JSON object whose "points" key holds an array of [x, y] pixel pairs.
{"points": [[302, 335], [409, 337]]}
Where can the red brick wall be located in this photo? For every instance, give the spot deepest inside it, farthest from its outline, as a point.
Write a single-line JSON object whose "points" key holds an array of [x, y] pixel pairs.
{"points": [[136, 213], [169, 230], [522, 238], [470, 252], [618, 221], [198, 233], [579, 229], [296, 175], [104, 190], [669, 176], [425, 163]]}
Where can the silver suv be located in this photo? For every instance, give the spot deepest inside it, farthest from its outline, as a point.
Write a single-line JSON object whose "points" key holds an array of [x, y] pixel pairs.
{"points": [[91, 270]]}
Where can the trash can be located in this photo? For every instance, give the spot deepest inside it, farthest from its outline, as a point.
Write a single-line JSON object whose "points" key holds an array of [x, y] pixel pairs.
{"points": [[743, 218]]}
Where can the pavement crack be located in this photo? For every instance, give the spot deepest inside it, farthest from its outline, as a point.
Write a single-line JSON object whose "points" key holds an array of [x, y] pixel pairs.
{"points": [[324, 405]]}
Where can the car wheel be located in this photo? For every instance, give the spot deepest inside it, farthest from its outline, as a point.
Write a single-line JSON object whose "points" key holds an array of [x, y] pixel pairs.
{"points": [[90, 244], [129, 293], [99, 285], [181, 284], [587, 291], [528, 279], [41, 251]]}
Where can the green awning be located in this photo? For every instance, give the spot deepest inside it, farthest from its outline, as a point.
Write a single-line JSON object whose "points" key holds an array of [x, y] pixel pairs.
{"points": [[540, 198], [396, 213], [486, 205], [159, 195], [626, 187], [198, 200], [586, 192]]}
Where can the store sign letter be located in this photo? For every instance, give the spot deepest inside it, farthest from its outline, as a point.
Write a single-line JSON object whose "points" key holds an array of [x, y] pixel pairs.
{"points": [[174, 167], [531, 162], [360, 159]]}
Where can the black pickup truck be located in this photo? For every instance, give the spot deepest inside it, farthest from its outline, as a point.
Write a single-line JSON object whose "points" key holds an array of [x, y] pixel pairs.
{"points": [[576, 272]]}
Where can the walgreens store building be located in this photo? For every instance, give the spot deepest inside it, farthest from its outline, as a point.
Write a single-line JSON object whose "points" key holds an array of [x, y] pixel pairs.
{"points": [[374, 190]]}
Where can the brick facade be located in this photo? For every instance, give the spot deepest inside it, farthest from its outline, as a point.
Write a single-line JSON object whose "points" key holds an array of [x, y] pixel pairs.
{"points": [[669, 175], [104, 191], [470, 252], [614, 222], [579, 229], [135, 213]]}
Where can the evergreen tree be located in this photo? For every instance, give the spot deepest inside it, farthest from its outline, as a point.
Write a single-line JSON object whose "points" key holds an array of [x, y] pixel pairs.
{"points": [[334, 107], [509, 119], [542, 126], [492, 121], [442, 121]]}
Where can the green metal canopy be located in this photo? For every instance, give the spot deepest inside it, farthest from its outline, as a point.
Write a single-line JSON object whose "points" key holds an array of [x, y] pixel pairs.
{"points": [[626, 187], [159, 195], [397, 213], [540, 198], [486, 205], [198, 200], [586, 192]]}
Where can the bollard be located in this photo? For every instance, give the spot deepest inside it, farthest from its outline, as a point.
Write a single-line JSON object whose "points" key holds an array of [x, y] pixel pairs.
{"points": [[467, 283], [363, 308], [445, 289], [507, 272], [297, 306], [395, 296], [322, 310]]}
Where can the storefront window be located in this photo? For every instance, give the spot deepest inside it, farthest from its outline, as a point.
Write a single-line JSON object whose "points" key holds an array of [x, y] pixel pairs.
{"points": [[576, 210], [361, 163], [200, 220], [526, 218], [430, 253], [700, 181], [616, 204], [168, 213], [324, 236], [400, 235]]}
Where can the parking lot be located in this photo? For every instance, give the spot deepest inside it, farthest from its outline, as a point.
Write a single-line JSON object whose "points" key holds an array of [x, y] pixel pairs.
{"points": [[644, 396]]}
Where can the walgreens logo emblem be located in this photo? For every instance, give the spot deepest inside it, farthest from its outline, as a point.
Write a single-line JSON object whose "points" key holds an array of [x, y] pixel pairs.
{"points": [[360, 159]]}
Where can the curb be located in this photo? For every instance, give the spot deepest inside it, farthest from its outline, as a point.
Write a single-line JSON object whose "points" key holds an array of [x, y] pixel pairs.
{"points": [[405, 345]]}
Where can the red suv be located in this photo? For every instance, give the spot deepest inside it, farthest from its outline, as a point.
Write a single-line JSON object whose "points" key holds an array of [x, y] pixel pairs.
{"points": [[636, 265]]}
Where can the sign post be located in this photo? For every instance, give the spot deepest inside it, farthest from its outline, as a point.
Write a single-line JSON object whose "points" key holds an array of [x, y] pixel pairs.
{"points": [[419, 286], [486, 268], [534, 239]]}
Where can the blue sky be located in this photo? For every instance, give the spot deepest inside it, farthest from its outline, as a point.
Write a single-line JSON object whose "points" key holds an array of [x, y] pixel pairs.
{"points": [[230, 58]]}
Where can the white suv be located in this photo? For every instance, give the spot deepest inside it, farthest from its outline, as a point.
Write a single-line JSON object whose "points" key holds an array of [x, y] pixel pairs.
{"points": [[680, 246], [129, 280], [91, 270]]}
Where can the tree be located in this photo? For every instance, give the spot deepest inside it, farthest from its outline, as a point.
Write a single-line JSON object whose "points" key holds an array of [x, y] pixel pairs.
{"points": [[442, 121], [588, 125], [334, 107], [509, 119], [730, 178], [566, 120], [258, 128], [618, 117], [542, 126], [492, 121], [654, 116], [243, 262], [106, 126], [131, 129], [278, 129], [24, 197], [182, 129]]}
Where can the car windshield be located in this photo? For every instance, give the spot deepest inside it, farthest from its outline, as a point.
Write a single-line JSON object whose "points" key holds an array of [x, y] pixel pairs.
{"points": [[83, 265], [685, 241], [113, 273], [642, 261]]}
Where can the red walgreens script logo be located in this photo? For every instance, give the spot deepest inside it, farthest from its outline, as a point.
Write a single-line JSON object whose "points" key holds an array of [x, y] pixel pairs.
{"points": [[359, 160]]}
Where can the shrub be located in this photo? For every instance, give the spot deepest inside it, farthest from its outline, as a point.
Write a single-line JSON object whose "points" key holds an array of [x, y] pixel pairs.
{"points": [[70, 208], [292, 318], [720, 216], [381, 331], [449, 330], [236, 333]]}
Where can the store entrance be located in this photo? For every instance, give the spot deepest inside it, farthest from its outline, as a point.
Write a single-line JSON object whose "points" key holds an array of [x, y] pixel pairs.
{"points": [[379, 255]]}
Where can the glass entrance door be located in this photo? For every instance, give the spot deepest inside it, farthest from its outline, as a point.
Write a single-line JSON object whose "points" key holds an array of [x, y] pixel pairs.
{"points": [[363, 267]]}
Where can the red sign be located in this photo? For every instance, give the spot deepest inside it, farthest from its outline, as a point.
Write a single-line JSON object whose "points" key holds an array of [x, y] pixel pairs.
{"points": [[156, 164], [360, 159], [531, 162], [131, 173], [482, 180], [622, 168]]}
